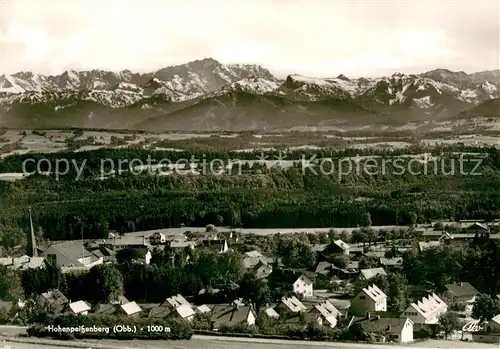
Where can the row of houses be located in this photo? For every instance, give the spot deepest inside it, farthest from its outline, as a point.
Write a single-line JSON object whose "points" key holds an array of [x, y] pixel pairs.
{"points": [[73, 255], [82, 255]]}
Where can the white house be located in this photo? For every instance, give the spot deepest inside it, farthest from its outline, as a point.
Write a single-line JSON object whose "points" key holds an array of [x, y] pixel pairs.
{"points": [[426, 311], [79, 308], [369, 299], [130, 309], [158, 238], [304, 286], [399, 330], [185, 312]]}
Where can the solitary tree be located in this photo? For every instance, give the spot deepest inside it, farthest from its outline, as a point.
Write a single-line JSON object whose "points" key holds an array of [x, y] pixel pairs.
{"points": [[448, 322]]}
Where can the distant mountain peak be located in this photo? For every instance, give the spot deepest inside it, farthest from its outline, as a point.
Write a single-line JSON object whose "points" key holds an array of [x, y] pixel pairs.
{"points": [[215, 90]]}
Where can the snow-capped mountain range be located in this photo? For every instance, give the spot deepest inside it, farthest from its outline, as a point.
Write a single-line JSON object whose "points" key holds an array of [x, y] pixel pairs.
{"points": [[206, 94]]}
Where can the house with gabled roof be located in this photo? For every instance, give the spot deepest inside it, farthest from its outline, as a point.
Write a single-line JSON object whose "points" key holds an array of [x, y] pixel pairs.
{"points": [[337, 246], [185, 312], [367, 274], [202, 309], [262, 270], [477, 228], [71, 254], [130, 309], [23, 262], [54, 299], [427, 310], [303, 286], [79, 308], [175, 306], [253, 254], [233, 314], [290, 305], [220, 246], [340, 246], [157, 238], [463, 292], [395, 262], [369, 299], [270, 312], [323, 268], [176, 301], [386, 329], [494, 324], [425, 245], [325, 314], [107, 309], [160, 312]]}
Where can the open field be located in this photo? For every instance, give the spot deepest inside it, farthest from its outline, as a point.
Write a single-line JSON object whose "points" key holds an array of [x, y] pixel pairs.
{"points": [[47, 141]]}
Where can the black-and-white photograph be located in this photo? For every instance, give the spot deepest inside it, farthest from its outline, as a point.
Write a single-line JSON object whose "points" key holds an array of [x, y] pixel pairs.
{"points": [[267, 174]]}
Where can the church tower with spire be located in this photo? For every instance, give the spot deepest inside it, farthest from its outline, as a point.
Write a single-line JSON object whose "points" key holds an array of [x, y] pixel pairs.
{"points": [[33, 248]]}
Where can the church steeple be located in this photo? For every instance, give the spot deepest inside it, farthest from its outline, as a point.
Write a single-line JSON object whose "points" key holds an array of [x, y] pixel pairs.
{"points": [[34, 251]]}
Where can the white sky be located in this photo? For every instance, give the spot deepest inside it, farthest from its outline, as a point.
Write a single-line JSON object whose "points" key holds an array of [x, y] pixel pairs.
{"points": [[310, 37]]}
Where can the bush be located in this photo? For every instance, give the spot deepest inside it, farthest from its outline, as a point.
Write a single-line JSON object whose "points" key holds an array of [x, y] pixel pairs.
{"points": [[4, 316], [238, 328], [425, 332]]}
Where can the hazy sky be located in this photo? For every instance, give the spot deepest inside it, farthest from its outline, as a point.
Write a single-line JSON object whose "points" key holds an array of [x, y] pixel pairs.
{"points": [[310, 37]]}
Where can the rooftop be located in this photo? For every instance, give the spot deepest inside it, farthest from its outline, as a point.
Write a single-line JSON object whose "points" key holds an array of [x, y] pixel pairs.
{"points": [[293, 304], [429, 306], [374, 292], [371, 273], [327, 309], [380, 324], [185, 311], [462, 289], [23, 262], [131, 308], [177, 300], [228, 314], [341, 244], [79, 307]]}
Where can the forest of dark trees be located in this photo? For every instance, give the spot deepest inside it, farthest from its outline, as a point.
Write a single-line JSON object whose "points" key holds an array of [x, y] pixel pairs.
{"points": [[258, 197]]}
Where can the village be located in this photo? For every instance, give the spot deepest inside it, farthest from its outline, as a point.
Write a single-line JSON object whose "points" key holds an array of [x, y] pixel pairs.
{"points": [[339, 292]]}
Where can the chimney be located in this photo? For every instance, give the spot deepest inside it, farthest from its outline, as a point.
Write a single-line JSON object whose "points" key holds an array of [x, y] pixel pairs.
{"points": [[389, 327], [13, 261], [461, 284], [144, 240], [368, 315]]}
